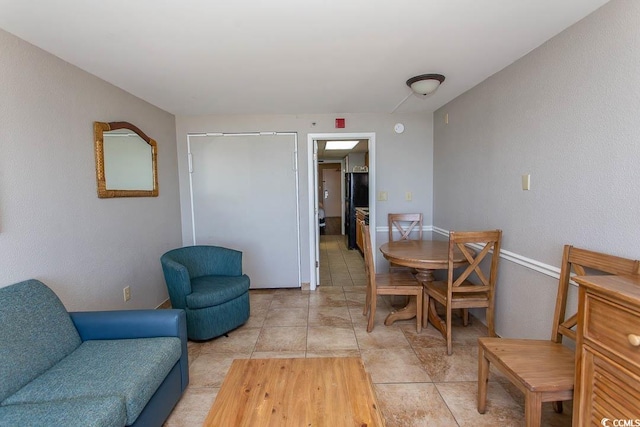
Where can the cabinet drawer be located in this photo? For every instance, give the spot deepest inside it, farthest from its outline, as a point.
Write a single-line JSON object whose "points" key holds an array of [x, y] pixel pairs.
{"points": [[609, 325]]}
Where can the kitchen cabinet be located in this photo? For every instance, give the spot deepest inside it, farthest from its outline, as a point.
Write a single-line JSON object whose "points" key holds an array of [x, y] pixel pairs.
{"points": [[361, 215]]}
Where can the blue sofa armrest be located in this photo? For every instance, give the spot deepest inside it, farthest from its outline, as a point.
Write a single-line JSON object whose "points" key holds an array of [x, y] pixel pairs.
{"points": [[130, 324], [124, 324]]}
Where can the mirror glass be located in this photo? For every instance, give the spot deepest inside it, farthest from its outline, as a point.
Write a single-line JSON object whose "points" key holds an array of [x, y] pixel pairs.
{"points": [[125, 161]]}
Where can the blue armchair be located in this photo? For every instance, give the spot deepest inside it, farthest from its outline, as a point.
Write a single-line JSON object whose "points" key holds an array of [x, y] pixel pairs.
{"points": [[208, 284]]}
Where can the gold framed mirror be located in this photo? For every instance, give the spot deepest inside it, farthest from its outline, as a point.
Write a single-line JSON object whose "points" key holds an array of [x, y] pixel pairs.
{"points": [[126, 161]]}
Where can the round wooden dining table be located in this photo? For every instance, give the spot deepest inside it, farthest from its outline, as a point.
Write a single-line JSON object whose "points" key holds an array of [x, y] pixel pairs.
{"points": [[425, 256]]}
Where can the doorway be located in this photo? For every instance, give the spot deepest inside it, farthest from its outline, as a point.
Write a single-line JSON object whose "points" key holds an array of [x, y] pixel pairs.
{"points": [[314, 192], [330, 201]]}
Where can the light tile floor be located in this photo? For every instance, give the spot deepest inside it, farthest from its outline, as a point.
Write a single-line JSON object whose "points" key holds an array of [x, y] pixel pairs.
{"points": [[416, 383]]}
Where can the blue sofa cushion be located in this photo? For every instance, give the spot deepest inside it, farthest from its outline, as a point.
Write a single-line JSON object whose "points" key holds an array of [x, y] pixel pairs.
{"points": [[87, 412], [209, 291], [131, 369], [36, 332]]}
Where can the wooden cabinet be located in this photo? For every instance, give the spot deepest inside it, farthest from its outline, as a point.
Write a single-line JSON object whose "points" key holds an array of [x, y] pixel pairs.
{"points": [[607, 383], [360, 216]]}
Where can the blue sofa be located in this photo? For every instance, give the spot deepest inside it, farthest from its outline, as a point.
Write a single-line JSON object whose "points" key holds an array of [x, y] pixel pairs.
{"points": [[109, 368], [208, 284]]}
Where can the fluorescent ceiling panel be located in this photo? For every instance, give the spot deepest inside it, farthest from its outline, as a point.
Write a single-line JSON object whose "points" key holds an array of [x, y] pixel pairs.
{"points": [[340, 145]]}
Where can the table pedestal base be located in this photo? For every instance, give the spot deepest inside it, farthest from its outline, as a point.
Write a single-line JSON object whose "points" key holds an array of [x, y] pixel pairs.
{"points": [[409, 311], [435, 320], [405, 313]]}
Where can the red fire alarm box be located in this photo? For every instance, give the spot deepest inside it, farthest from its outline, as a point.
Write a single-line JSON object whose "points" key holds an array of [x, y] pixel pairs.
{"points": [[339, 123]]}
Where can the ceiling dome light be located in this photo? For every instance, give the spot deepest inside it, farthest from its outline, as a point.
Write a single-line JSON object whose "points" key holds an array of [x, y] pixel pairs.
{"points": [[425, 84]]}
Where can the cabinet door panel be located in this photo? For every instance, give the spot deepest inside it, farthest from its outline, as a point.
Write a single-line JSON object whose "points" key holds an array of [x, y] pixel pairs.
{"points": [[614, 389], [245, 197]]}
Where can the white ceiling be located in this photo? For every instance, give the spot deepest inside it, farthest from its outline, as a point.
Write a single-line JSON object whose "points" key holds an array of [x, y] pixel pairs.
{"points": [[195, 57]]}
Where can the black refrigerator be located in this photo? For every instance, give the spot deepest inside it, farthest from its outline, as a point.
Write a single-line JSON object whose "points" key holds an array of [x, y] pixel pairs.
{"points": [[356, 196]]}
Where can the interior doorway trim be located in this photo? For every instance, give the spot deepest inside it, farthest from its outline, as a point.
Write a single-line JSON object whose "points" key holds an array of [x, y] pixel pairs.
{"points": [[312, 161]]}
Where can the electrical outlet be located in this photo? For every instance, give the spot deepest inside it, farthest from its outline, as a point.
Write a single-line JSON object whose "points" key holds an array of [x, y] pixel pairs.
{"points": [[127, 293]]}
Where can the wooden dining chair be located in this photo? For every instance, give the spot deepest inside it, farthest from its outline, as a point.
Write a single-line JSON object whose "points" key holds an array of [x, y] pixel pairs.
{"points": [[400, 283], [404, 224], [461, 293], [544, 369]]}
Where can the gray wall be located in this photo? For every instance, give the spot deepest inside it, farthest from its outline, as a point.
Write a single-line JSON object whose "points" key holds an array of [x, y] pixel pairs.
{"points": [[403, 161], [568, 114], [53, 227]]}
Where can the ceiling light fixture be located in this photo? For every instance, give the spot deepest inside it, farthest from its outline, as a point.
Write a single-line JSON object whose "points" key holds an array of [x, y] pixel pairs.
{"points": [[340, 145], [425, 84]]}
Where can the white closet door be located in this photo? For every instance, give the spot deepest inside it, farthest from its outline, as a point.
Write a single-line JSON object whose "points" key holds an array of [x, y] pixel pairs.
{"points": [[244, 196]]}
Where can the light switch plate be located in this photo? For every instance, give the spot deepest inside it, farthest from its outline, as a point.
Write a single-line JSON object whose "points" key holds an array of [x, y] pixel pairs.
{"points": [[526, 182], [382, 196]]}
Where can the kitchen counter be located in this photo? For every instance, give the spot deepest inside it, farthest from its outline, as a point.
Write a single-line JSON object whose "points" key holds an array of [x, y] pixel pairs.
{"points": [[361, 214]]}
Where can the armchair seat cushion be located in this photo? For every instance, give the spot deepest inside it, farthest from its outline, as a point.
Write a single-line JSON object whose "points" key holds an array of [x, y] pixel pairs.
{"points": [[209, 291], [130, 369]]}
